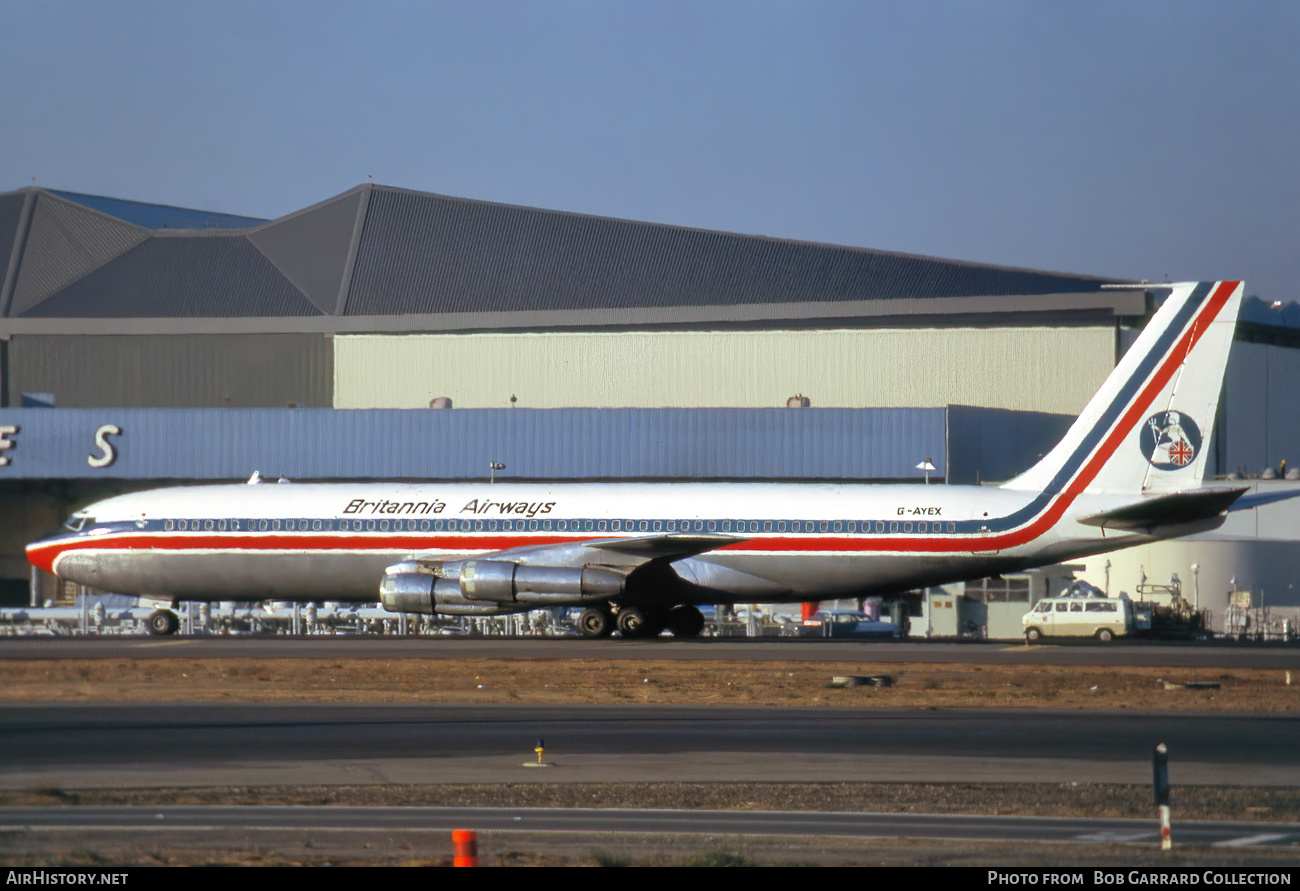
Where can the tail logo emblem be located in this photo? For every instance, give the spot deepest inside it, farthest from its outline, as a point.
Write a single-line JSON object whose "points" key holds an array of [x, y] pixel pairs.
{"points": [[1170, 440]]}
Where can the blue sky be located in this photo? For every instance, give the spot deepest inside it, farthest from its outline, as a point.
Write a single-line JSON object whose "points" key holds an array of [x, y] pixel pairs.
{"points": [[1134, 139]]}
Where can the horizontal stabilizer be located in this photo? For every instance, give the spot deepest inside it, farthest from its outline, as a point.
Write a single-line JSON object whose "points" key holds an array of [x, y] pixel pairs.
{"points": [[1167, 510]]}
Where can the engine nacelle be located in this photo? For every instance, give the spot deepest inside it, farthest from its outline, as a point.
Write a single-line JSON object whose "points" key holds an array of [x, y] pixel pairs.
{"points": [[491, 587], [412, 587], [500, 581]]}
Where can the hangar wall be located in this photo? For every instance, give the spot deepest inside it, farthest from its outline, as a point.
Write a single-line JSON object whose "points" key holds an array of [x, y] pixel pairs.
{"points": [[1032, 369], [173, 370], [560, 444], [1258, 417]]}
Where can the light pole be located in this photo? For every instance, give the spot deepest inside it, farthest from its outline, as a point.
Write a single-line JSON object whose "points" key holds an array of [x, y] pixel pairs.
{"points": [[927, 467]]}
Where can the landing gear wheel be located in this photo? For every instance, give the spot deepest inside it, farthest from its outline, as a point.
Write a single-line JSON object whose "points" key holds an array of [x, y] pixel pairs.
{"points": [[1105, 635], [596, 621], [162, 622], [685, 621], [634, 622], [1032, 635]]}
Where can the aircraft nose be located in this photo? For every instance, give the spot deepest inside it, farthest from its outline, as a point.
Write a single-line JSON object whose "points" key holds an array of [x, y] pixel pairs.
{"points": [[42, 551]]}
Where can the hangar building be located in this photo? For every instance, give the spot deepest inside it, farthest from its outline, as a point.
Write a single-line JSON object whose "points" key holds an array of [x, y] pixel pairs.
{"points": [[571, 346]]}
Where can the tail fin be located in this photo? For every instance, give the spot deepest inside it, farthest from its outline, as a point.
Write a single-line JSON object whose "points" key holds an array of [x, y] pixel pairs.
{"points": [[1147, 429]]}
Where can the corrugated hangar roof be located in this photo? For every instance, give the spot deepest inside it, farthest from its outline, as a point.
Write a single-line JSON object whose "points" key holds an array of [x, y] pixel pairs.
{"points": [[356, 261], [161, 216]]}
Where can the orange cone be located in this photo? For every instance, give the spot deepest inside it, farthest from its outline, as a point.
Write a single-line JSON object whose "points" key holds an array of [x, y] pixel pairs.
{"points": [[465, 843]]}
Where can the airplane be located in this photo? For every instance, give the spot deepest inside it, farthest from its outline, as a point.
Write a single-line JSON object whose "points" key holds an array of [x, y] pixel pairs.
{"points": [[640, 558]]}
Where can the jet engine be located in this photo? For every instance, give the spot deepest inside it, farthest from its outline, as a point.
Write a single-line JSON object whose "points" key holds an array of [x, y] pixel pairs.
{"points": [[492, 587]]}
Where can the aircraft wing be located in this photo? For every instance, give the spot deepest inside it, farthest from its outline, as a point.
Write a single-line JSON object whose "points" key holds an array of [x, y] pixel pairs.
{"points": [[623, 554], [1175, 509], [676, 545]]}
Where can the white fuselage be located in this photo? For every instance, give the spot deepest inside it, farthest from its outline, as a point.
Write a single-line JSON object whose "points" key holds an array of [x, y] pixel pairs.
{"points": [[792, 541]]}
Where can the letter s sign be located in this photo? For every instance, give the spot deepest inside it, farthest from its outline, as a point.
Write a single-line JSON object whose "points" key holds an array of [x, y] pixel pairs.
{"points": [[101, 440]]}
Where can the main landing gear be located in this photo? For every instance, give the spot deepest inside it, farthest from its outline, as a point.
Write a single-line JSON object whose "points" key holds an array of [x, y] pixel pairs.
{"points": [[596, 621], [636, 622], [162, 622]]}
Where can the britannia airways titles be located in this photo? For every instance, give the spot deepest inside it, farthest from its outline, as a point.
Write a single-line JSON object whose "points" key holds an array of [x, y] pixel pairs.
{"points": [[475, 506]]}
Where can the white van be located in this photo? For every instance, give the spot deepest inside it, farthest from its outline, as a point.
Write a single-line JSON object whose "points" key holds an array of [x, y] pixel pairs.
{"points": [[1104, 618]]}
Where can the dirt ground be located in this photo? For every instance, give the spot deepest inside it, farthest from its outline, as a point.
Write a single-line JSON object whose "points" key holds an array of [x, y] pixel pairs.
{"points": [[1122, 801], [655, 682]]}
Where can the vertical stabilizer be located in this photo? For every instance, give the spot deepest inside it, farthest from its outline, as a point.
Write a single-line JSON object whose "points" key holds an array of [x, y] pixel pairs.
{"points": [[1147, 429]]}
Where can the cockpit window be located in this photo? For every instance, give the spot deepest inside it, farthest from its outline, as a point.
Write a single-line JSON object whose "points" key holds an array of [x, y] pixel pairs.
{"points": [[77, 522]]}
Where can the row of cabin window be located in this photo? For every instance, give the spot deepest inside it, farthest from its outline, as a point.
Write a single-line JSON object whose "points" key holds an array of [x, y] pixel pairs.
{"points": [[740, 526]]}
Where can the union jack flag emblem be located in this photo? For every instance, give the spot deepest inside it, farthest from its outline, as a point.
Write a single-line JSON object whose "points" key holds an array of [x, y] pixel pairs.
{"points": [[1170, 440]]}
